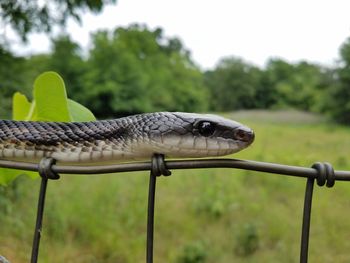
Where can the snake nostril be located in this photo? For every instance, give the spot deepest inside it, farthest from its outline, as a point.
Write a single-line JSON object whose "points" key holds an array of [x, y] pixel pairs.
{"points": [[244, 134]]}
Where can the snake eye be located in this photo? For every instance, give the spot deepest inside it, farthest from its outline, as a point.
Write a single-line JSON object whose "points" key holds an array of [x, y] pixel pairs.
{"points": [[206, 128]]}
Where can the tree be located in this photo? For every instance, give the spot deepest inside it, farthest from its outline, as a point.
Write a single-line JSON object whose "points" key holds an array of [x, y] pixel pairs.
{"points": [[338, 99], [12, 78], [41, 16], [66, 59], [135, 69], [295, 85], [234, 84]]}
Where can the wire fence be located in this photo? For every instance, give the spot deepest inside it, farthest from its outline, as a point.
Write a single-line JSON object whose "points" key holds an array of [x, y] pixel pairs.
{"points": [[322, 173]]}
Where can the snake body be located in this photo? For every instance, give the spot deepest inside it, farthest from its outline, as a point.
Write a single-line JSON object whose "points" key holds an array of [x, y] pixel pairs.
{"points": [[173, 134]]}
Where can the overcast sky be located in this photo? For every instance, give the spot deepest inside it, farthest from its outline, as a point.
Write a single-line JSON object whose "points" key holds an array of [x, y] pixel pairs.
{"points": [[255, 30]]}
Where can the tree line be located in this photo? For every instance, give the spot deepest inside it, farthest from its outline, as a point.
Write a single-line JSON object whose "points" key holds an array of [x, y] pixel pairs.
{"points": [[134, 69]]}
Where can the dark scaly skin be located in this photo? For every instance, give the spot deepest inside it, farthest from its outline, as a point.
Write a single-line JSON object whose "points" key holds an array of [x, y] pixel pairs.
{"points": [[131, 137]]}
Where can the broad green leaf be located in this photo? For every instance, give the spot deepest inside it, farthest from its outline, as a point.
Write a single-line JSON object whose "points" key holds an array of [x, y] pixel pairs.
{"points": [[50, 98], [50, 104], [22, 109], [21, 106], [79, 112], [8, 175]]}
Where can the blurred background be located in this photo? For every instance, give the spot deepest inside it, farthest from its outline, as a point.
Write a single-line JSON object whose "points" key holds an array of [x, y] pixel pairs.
{"points": [[281, 67]]}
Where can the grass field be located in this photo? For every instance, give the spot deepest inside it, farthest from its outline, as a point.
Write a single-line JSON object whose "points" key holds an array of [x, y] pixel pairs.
{"points": [[213, 215]]}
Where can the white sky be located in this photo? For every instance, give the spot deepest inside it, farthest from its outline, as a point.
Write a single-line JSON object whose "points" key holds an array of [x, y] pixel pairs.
{"points": [[252, 29]]}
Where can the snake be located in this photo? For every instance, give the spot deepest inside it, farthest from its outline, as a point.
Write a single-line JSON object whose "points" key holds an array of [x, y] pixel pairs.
{"points": [[135, 137]]}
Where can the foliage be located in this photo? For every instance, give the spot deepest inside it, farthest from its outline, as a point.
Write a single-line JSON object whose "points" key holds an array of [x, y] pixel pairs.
{"points": [[247, 239], [41, 16], [11, 80], [240, 85], [50, 103], [338, 104], [193, 253], [9, 195], [235, 84], [134, 69], [129, 70], [66, 59], [295, 85]]}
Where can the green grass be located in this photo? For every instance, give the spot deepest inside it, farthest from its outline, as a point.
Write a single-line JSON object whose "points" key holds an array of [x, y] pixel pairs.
{"points": [[212, 215]]}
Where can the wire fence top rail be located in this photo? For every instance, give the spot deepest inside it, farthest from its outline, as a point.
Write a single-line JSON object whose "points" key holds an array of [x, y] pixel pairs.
{"points": [[267, 167]]}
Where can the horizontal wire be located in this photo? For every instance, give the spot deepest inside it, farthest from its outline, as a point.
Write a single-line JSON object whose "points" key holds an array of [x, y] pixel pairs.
{"points": [[266, 167]]}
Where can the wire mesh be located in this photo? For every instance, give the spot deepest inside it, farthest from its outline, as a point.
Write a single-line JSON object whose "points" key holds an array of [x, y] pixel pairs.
{"points": [[323, 173]]}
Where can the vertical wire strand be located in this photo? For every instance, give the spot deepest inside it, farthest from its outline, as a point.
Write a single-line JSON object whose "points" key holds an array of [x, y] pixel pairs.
{"points": [[304, 250], [150, 217], [39, 220]]}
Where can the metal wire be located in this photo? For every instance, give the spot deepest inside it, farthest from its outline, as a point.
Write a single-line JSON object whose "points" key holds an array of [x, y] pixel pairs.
{"points": [[305, 229], [273, 168], [323, 173], [45, 172], [150, 217], [158, 168], [39, 220]]}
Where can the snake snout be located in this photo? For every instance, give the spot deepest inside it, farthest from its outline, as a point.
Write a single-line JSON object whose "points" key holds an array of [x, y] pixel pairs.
{"points": [[244, 134]]}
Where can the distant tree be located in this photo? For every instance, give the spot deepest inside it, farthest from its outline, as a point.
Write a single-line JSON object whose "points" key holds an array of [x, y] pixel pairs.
{"points": [[40, 16], [12, 78], [66, 59], [277, 75], [235, 84], [135, 70], [295, 85], [338, 97], [35, 65]]}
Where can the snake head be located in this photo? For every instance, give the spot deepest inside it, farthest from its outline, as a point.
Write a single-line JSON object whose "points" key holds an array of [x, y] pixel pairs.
{"points": [[181, 134]]}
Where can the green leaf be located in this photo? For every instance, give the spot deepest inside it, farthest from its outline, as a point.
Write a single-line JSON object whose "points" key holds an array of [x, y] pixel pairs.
{"points": [[21, 106], [78, 112], [50, 104], [8, 175], [50, 98]]}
